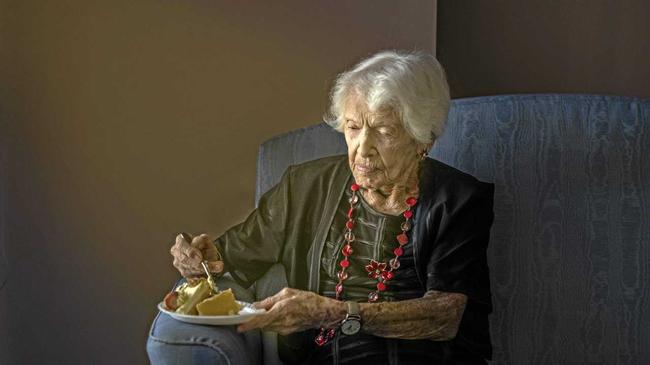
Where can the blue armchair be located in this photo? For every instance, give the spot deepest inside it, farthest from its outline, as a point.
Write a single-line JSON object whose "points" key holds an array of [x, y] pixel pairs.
{"points": [[570, 247]]}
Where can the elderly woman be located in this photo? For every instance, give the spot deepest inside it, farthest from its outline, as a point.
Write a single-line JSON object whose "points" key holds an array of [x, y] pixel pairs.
{"points": [[385, 248]]}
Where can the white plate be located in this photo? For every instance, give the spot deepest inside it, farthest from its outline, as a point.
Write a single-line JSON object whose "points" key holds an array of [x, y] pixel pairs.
{"points": [[247, 312]]}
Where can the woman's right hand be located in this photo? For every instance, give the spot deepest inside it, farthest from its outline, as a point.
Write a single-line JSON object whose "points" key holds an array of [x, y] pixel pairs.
{"points": [[189, 255]]}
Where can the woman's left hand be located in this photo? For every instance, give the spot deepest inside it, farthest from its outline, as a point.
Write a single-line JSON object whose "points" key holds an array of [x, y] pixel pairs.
{"points": [[293, 310]]}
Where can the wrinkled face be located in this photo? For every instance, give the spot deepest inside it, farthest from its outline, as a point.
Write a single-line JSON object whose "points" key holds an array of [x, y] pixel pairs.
{"points": [[380, 151]]}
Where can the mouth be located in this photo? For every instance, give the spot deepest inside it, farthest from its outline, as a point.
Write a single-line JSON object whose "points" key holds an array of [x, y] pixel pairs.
{"points": [[364, 168]]}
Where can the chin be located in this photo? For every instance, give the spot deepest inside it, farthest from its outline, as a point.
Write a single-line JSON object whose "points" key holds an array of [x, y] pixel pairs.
{"points": [[365, 181]]}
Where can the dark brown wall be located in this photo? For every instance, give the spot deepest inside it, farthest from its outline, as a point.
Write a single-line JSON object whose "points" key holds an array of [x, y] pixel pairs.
{"points": [[537, 46], [131, 120]]}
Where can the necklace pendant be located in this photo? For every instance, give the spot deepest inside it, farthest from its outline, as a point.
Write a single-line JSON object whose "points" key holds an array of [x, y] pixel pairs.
{"points": [[375, 268]]}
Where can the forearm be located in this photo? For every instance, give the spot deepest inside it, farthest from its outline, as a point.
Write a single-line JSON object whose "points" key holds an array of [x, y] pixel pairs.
{"points": [[435, 316]]}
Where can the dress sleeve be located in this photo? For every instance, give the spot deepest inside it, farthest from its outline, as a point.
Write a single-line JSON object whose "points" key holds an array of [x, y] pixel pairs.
{"points": [[250, 248], [458, 262]]}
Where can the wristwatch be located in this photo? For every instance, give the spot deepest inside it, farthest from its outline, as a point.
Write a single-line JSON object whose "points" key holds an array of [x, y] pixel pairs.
{"points": [[352, 322]]}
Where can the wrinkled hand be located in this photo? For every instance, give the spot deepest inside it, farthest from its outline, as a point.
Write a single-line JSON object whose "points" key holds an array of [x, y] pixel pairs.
{"points": [[189, 255], [293, 310]]}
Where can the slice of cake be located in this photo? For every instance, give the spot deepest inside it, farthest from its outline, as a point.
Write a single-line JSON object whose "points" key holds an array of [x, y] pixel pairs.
{"points": [[190, 295], [222, 304]]}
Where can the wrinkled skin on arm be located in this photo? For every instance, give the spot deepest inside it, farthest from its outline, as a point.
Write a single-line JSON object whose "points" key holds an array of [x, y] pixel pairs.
{"points": [[435, 316]]}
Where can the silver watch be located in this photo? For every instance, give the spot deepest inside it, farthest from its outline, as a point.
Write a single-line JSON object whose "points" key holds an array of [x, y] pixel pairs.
{"points": [[351, 325]]}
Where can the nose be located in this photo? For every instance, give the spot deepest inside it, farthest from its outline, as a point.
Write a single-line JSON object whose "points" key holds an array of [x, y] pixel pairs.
{"points": [[366, 143]]}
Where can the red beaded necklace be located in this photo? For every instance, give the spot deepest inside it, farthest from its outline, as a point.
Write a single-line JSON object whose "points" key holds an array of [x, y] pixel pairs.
{"points": [[376, 270]]}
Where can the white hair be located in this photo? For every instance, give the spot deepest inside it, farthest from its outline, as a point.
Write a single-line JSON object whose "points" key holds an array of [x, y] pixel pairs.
{"points": [[413, 84]]}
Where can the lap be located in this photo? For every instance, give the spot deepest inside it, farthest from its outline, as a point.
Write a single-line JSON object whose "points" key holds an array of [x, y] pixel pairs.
{"points": [[175, 342]]}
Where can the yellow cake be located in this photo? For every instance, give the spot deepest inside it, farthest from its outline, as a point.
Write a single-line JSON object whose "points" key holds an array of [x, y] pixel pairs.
{"points": [[221, 304], [190, 295]]}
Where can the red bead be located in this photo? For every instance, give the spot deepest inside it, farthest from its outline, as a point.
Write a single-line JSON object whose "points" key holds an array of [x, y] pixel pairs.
{"points": [[387, 275], [349, 224], [342, 275], [346, 250], [330, 333], [381, 286], [345, 263], [350, 212], [402, 238], [408, 214], [320, 340], [354, 187], [338, 288], [398, 251], [411, 201]]}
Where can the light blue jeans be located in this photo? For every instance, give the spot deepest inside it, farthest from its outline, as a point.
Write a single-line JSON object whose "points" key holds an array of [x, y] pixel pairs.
{"points": [[172, 342]]}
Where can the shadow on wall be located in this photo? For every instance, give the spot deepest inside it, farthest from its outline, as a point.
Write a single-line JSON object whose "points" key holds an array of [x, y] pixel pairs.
{"points": [[4, 263]]}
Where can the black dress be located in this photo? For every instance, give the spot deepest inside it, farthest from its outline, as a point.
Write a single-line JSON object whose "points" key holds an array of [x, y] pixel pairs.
{"points": [[375, 239], [449, 239]]}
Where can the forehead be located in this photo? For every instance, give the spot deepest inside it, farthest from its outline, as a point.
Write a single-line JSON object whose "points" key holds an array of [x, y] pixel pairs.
{"points": [[357, 109]]}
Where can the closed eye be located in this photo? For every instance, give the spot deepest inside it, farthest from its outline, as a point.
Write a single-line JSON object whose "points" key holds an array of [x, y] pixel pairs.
{"points": [[351, 124], [386, 131]]}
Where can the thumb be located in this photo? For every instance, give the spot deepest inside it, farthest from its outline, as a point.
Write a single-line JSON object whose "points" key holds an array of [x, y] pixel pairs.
{"points": [[215, 266]]}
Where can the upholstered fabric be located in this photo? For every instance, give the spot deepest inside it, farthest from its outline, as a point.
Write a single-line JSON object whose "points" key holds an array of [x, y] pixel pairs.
{"points": [[570, 246]]}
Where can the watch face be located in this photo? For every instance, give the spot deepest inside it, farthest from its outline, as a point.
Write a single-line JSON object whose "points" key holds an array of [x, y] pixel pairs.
{"points": [[350, 327]]}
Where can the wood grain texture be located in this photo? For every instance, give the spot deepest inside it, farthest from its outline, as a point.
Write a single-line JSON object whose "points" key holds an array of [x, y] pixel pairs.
{"points": [[570, 246]]}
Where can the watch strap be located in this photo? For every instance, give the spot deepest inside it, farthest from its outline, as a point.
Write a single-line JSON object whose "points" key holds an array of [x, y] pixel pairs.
{"points": [[353, 308]]}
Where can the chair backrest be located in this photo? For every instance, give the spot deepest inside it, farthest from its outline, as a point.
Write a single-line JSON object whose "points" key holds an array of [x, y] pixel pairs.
{"points": [[569, 253]]}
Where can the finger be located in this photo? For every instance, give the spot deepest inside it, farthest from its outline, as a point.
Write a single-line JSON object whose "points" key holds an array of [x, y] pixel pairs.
{"points": [[270, 301], [180, 239], [200, 241], [267, 303], [190, 270], [215, 266], [259, 321], [185, 269], [188, 273], [186, 236], [192, 253], [176, 249], [273, 320]]}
